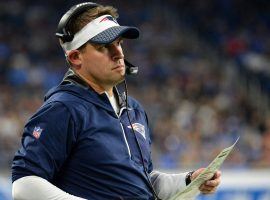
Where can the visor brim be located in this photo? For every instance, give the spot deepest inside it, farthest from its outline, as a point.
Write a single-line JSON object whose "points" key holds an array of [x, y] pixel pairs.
{"points": [[111, 34]]}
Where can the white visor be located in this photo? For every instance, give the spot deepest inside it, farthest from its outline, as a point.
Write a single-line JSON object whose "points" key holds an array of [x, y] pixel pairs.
{"points": [[102, 30]]}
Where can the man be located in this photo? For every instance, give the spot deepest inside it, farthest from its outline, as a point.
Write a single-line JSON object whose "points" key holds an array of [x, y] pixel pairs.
{"points": [[88, 140]]}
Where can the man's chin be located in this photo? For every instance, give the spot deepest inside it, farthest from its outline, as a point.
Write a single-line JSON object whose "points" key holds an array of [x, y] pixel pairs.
{"points": [[121, 79]]}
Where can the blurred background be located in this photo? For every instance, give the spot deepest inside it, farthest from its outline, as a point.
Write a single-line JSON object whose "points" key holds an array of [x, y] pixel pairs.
{"points": [[204, 80]]}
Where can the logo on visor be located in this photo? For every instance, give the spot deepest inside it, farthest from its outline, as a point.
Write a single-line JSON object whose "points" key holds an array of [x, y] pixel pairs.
{"points": [[110, 18], [139, 128]]}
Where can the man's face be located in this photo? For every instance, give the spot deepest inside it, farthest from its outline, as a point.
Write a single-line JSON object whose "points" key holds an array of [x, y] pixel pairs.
{"points": [[103, 65]]}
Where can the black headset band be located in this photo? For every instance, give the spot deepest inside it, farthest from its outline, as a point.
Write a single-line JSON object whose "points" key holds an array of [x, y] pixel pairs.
{"points": [[75, 10]]}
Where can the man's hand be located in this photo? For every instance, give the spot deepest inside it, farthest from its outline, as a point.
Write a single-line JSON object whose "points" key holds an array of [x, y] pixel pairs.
{"points": [[210, 186]]}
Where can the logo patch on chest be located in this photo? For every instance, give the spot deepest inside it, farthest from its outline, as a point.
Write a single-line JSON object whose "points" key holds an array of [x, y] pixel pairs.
{"points": [[139, 128], [37, 131]]}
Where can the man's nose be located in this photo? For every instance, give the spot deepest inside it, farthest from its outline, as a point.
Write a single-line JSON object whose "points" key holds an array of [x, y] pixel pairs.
{"points": [[117, 52]]}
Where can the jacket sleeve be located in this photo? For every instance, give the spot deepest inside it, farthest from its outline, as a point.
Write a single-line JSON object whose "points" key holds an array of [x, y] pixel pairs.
{"points": [[47, 140], [167, 185]]}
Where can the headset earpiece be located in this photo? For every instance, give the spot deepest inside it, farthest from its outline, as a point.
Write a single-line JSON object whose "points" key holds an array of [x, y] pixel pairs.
{"points": [[62, 32]]}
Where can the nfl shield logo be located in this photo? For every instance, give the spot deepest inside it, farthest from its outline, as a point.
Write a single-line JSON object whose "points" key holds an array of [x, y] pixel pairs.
{"points": [[37, 131]]}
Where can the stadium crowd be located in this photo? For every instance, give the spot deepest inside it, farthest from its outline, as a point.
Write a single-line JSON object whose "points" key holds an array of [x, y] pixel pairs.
{"points": [[192, 56]]}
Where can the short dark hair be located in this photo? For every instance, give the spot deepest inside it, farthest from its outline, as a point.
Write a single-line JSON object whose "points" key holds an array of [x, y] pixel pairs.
{"points": [[77, 23]]}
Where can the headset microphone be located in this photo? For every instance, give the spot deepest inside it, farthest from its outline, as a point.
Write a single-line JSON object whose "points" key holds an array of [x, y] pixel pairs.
{"points": [[130, 68]]}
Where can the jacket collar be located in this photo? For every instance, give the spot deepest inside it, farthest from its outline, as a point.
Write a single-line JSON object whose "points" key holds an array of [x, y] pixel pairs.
{"points": [[75, 85]]}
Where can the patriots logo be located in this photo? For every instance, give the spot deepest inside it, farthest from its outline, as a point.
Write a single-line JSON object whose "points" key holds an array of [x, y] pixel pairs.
{"points": [[37, 131], [108, 18], [139, 128]]}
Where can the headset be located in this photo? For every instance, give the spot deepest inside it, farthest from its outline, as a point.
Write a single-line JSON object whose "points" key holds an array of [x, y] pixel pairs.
{"points": [[65, 35]]}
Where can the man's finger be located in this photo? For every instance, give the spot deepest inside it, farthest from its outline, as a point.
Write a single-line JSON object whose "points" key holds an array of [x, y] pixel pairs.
{"points": [[196, 173], [212, 183], [205, 188], [208, 192], [217, 175]]}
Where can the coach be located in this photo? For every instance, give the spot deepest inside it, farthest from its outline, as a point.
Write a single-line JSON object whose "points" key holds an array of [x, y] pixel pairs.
{"points": [[89, 140]]}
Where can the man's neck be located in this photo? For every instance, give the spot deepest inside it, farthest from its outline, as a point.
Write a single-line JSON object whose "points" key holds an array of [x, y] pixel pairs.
{"points": [[97, 87]]}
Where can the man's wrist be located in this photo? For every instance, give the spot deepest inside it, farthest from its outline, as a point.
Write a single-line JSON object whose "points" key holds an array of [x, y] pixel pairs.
{"points": [[188, 177]]}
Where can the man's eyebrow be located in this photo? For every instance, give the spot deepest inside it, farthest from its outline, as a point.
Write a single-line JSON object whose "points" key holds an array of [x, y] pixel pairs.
{"points": [[97, 45], [120, 39]]}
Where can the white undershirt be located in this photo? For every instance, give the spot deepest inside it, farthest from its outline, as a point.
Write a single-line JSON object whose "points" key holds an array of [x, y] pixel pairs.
{"points": [[114, 103], [34, 187]]}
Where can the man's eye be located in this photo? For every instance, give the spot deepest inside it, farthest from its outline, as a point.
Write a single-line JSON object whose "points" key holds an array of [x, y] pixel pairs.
{"points": [[100, 46], [120, 42]]}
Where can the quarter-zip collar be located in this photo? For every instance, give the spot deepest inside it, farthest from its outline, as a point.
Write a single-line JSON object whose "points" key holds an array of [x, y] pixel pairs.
{"points": [[76, 86]]}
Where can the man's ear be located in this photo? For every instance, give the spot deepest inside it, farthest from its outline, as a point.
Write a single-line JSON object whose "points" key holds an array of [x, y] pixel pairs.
{"points": [[74, 58]]}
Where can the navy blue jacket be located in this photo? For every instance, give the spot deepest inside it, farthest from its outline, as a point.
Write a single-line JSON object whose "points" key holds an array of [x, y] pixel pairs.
{"points": [[78, 143]]}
